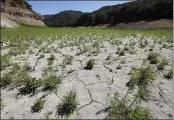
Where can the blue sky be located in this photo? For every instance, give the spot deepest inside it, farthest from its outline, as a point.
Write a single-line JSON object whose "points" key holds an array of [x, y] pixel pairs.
{"points": [[53, 7]]}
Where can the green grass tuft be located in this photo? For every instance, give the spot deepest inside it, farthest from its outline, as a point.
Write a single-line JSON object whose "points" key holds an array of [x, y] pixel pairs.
{"points": [[68, 105], [38, 105]]}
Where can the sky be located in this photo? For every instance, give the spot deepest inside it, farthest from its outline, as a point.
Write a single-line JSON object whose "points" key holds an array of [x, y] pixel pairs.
{"points": [[53, 7]]}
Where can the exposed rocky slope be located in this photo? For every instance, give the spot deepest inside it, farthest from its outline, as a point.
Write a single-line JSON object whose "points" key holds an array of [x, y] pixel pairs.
{"points": [[13, 14]]}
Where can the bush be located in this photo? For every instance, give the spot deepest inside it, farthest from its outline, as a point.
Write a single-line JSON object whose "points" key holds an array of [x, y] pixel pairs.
{"points": [[109, 57], [141, 77], [2, 104], [38, 105], [4, 61], [126, 48], [51, 59], [90, 65], [68, 60], [26, 67], [120, 110], [122, 53], [30, 86], [152, 55], [68, 105], [142, 45], [6, 79], [154, 60], [51, 81], [169, 75], [162, 64]]}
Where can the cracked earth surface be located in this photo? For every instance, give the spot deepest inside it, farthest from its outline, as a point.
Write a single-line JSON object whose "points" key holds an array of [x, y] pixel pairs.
{"points": [[91, 86]]}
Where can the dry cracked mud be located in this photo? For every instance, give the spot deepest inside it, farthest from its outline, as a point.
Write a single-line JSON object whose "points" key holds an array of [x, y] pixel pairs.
{"points": [[91, 86]]}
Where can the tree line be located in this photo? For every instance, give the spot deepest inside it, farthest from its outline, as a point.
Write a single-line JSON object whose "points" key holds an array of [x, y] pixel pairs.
{"points": [[122, 13]]}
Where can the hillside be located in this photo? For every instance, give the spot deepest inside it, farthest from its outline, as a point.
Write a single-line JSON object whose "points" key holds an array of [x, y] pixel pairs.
{"points": [[16, 12], [64, 18], [135, 11]]}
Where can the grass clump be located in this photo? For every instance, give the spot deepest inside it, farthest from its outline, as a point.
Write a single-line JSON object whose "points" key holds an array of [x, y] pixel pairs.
{"points": [[68, 60], [90, 65], [109, 57], [68, 105], [6, 79], [154, 60], [169, 75], [142, 45], [30, 86], [5, 62], [153, 57], [152, 48], [51, 81], [124, 108], [51, 59], [38, 105], [126, 48], [2, 104], [120, 110], [162, 64], [122, 53], [26, 67]]}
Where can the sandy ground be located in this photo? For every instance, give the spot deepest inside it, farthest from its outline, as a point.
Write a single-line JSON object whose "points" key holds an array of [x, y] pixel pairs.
{"points": [[92, 86]]}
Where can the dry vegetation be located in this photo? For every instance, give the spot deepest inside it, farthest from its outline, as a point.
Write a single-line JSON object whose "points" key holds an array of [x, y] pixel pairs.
{"points": [[86, 73]]}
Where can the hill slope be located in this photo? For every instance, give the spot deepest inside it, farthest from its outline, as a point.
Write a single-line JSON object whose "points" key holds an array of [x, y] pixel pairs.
{"points": [[15, 12], [64, 18], [134, 11]]}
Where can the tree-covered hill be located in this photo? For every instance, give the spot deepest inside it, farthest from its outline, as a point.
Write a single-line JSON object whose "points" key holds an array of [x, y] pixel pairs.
{"points": [[64, 18], [122, 13]]}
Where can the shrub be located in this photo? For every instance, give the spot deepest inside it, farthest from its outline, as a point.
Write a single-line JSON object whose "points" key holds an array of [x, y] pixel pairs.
{"points": [[154, 60], [51, 59], [30, 86], [141, 77], [68, 60], [90, 65], [151, 48], [4, 61], [118, 49], [26, 67], [122, 53], [126, 48], [169, 75], [132, 52], [68, 105], [70, 71], [51, 81], [38, 105], [142, 45], [117, 52], [109, 57], [152, 55], [162, 64], [30, 51], [6, 79], [120, 110], [2, 104]]}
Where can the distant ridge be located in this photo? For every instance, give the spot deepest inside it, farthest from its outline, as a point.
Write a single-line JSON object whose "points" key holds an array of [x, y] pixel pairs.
{"points": [[131, 12]]}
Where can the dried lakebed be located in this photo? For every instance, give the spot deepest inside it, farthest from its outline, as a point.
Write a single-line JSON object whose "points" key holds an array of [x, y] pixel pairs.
{"points": [[114, 57]]}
